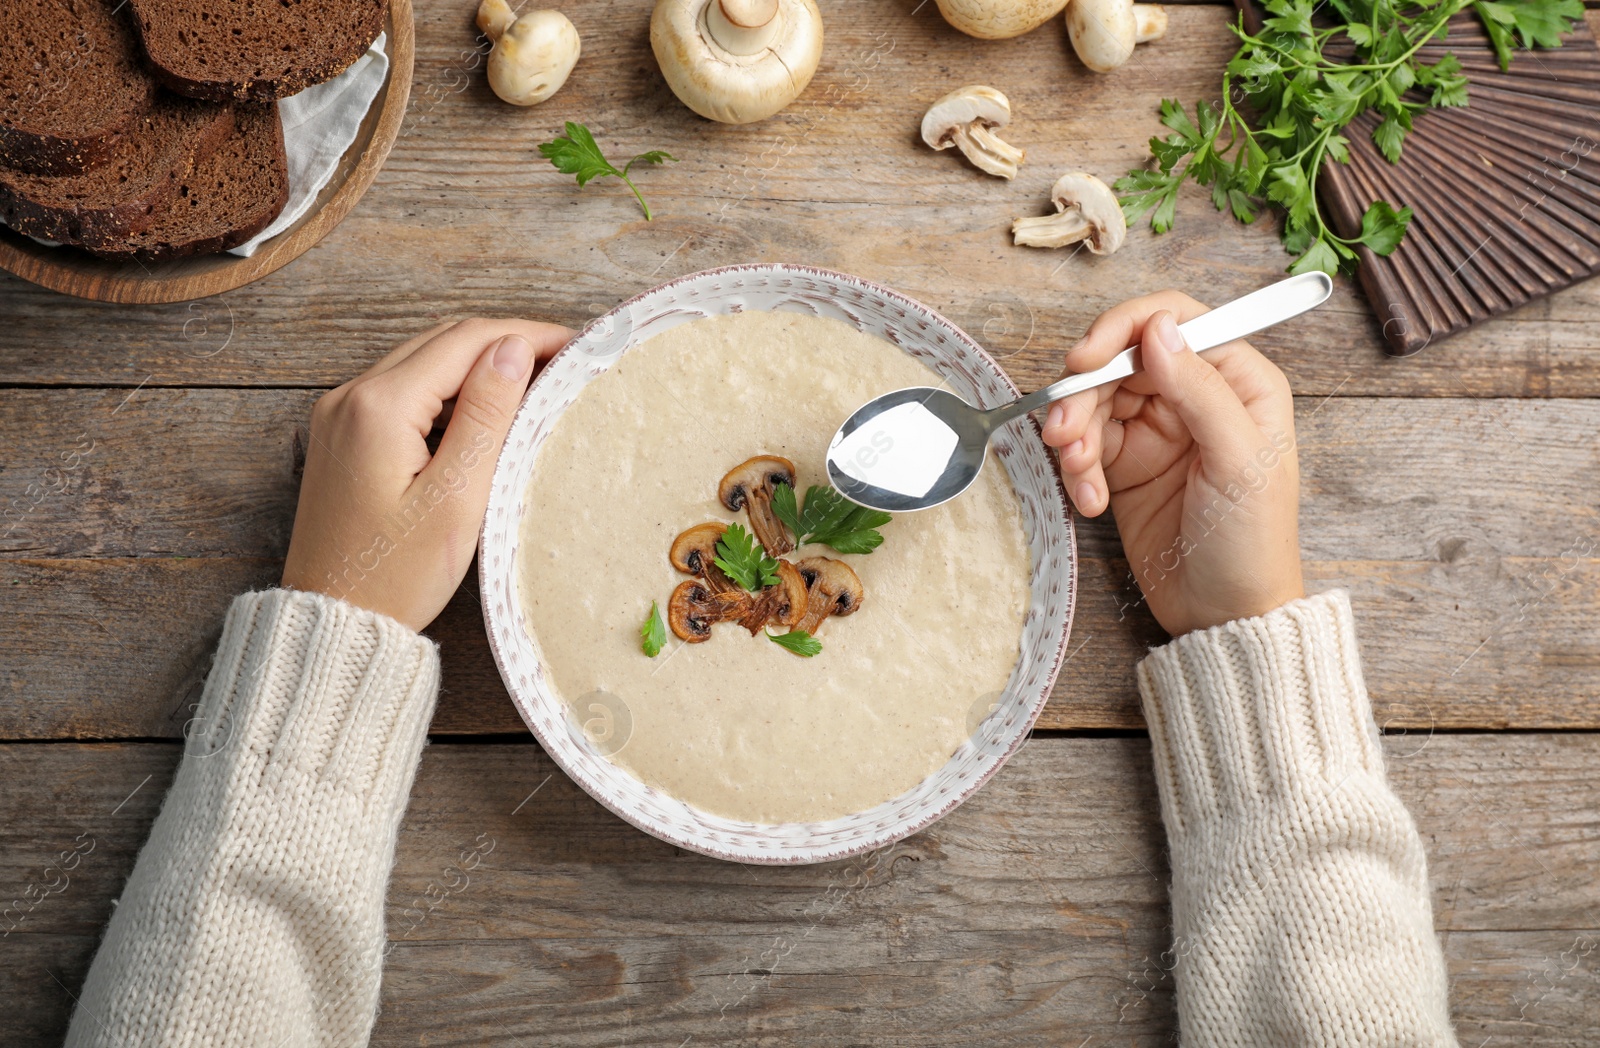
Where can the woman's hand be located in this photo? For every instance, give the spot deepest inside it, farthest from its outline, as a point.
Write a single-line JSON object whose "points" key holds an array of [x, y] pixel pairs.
{"points": [[381, 523], [1197, 459]]}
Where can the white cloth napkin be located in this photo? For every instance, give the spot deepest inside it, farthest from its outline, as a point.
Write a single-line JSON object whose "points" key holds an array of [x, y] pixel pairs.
{"points": [[319, 124]]}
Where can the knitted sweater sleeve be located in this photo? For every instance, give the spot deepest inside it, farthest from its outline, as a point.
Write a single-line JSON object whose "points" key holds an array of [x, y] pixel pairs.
{"points": [[254, 914], [1300, 902]]}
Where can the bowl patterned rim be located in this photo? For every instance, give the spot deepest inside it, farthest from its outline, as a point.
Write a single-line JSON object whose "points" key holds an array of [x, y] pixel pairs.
{"points": [[970, 372]]}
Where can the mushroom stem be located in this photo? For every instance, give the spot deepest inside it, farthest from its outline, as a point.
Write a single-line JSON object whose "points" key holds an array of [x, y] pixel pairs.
{"points": [[1149, 22], [1058, 230], [743, 27], [987, 150]]}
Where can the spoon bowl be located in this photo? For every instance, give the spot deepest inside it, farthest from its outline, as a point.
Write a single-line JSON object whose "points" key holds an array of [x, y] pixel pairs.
{"points": [[916, 448], [856, 455]]}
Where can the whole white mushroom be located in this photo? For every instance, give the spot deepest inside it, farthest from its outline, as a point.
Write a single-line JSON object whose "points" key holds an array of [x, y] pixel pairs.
{"points": [[532, 57], [736, 61], [1104, 32], [999, 19]]}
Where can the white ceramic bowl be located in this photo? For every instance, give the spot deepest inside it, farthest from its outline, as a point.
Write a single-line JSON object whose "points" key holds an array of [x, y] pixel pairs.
{"points": [[969, 372]]}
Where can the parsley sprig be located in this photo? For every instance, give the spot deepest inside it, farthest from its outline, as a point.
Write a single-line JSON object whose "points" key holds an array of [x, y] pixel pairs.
{"points": [[653, 634], [830, 519], [575, 153], [1302, 101], [743, 560]]}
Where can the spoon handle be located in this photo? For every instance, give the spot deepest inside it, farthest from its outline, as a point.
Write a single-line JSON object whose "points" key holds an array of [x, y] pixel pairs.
{"points": [[1243, 316]]}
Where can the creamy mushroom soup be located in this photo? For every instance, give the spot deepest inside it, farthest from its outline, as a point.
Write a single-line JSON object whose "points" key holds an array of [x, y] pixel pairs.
{"points": [[737, 726]]}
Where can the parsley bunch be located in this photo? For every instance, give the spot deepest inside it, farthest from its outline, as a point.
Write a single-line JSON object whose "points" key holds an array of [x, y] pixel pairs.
{"points": [[830, 519], [1303, 100]]}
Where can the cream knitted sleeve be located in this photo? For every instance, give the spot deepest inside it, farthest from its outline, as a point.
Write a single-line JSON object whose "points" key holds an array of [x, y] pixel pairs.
{"points": [[254, 915], [1299, 888]]}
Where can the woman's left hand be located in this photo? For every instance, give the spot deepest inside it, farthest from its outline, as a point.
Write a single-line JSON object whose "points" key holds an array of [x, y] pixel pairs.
{"points": [[381, 523]]}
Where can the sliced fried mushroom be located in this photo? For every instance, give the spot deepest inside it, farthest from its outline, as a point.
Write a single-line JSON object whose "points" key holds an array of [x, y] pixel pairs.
{"points": [[832, 588], [780, 605], [1086, 210], [999, 19], [749, 486], [694, 609], [1104, 32], [965, 118], [695, 553]]}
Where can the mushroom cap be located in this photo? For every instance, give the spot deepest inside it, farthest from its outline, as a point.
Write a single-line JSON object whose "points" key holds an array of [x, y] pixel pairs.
{"points": [[694, 551], [999, 19], [1103, 32], [730, 88], [694, 608], [1098, 205], [532, 58], [962, 107], [761, 473]]}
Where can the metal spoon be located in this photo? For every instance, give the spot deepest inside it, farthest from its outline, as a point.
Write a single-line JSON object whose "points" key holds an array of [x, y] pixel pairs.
{"points": [[931, 449]]}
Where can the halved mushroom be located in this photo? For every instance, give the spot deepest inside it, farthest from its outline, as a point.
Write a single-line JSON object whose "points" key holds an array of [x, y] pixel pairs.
{"points": [[1104, 32], [694, 609], [965, 118], [749, 486], [780, 605], [999, 19], [695, 553], [1086, 210], [736, 61], [832, 588]]}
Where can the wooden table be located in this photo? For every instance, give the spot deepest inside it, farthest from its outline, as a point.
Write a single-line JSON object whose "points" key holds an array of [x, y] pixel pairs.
{"points": [[1454, 493]]}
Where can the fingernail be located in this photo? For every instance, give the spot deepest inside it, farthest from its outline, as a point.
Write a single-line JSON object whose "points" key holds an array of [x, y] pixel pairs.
{"points": [[1072, 449], [1167, 336], [1057, 415], [513, 356], [1085, 497]]}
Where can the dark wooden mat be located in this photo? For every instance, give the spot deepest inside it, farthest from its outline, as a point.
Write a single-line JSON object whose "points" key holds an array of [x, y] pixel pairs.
{"points": [[1506, 191]]}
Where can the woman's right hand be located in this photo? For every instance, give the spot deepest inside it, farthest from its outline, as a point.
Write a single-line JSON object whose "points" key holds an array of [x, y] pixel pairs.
{"points": [[1196, 457]]}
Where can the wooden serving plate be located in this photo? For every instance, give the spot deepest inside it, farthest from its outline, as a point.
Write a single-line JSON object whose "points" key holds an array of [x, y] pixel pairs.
{"points": [[76, 272]]}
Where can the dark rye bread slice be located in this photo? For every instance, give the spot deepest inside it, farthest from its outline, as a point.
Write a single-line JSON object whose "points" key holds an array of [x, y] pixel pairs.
{"points": [[70, 80], [229, 197], [254, 50], [100, 207]]}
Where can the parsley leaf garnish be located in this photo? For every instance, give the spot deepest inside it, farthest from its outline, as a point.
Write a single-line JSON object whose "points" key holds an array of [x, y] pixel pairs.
{"points": [[798, 641], [653, 634], [575, 153], [1302, 100], [744, 561], [830, 519]]}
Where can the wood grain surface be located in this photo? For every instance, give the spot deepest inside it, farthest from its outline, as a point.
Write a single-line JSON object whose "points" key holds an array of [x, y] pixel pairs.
{"points": [[1035, 914], [82, 275], [466, 219], [150, 463]]}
